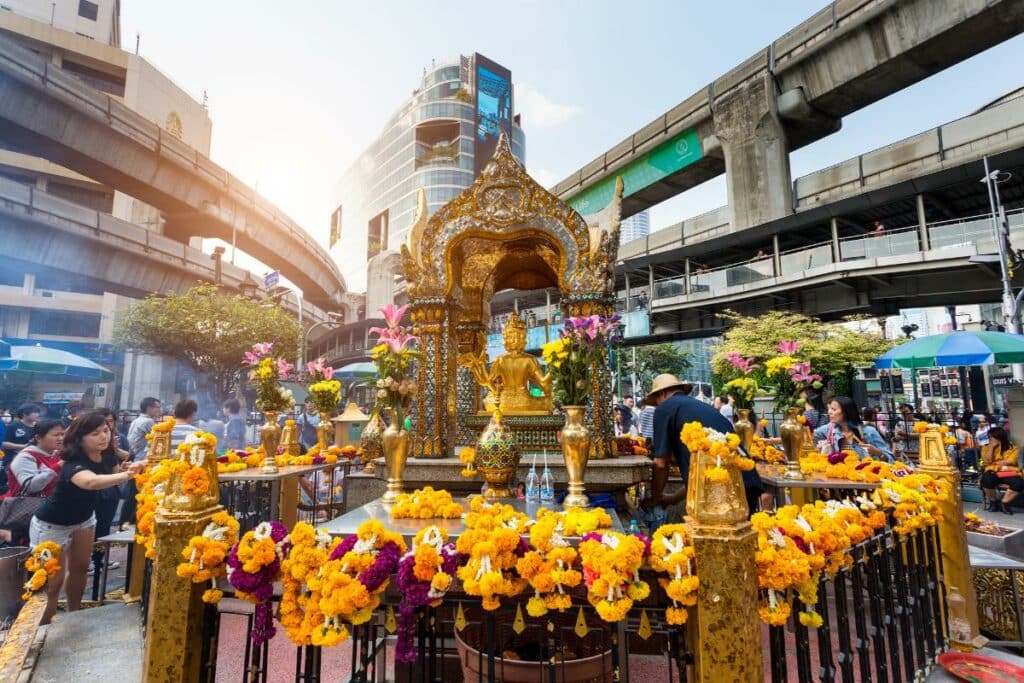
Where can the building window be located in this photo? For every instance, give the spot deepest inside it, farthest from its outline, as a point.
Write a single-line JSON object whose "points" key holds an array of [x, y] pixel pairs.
{"points": [[335, 227], [377, 238], [88, 10], [63, 324]]}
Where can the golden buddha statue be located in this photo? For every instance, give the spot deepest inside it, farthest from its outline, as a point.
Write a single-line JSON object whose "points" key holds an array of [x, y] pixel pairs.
{"points": [[514, 372]]}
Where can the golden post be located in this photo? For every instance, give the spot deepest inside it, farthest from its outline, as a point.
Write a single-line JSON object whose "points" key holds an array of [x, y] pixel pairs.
{"points": [[956, 563], [728, 646], [159, 449], [174, 628]]}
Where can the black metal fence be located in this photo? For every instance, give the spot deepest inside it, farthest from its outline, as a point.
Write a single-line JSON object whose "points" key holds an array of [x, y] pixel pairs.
{"points": [[882, 617]]}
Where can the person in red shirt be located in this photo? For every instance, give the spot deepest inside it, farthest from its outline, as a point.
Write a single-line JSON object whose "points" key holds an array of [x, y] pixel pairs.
{"points": [[34, 469]]}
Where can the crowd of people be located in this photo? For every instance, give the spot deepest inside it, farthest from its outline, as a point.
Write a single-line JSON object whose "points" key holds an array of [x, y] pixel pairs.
{"points": [[983, 449]]}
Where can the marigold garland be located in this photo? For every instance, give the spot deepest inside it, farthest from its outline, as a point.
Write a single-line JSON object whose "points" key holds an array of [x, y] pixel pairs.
{"points": [[763, 451], [467, 456], [253, 565], [494, 544], [426, 503], [672, 553], [42, 564], [300, 605], [350, 582], [611, 571], [424, 576], [205, 555], [195, 481], [549, 566], [722, 448]]}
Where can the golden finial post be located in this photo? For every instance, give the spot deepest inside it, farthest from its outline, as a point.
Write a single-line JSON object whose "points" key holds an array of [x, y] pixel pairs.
{"points": [[728, 630], [956, 562], [174, 628]]}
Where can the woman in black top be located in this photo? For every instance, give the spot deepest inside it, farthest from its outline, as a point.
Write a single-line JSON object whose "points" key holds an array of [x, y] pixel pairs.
{"points": [[67, 517]]}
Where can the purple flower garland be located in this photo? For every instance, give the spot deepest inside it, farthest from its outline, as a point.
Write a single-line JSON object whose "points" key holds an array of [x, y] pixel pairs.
{"points": [[415, 594], [260, 585]]}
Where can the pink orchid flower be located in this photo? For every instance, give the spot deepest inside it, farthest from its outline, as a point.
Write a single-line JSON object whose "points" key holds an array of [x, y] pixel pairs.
{"points": [[284, 368], [788, 347], [736, 359], [393, 314]]}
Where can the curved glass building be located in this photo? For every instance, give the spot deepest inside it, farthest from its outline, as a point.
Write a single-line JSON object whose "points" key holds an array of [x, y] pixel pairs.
{"points": [[439, 140]]}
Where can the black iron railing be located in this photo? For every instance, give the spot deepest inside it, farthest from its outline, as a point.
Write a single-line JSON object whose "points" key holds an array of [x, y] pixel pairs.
{"points": [[250, 502], [882, 617]]}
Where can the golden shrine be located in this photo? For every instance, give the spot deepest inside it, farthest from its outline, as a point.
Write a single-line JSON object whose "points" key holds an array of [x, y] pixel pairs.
{"points": [[503, 232]]}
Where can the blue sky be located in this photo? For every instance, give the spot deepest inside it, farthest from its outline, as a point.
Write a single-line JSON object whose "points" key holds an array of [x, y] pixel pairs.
{"points": [[297, 90]]}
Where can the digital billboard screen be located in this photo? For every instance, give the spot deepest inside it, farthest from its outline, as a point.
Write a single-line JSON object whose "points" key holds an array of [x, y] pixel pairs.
{"points": [[493, 108]]}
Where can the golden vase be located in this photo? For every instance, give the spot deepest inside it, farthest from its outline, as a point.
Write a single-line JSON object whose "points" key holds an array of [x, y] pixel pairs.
{"points": [[792, 434], [497, 457], [395, 442], [576, 442], [744, 428], [324, 431], [371, 442], [270, 436]]}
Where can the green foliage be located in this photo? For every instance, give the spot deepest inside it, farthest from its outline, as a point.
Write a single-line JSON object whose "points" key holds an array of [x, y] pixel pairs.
{"points": [[208, 330], [832, 350], [653, 360]]}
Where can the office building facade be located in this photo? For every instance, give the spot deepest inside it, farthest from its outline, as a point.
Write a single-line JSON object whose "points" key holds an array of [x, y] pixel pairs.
{"points": [[437, 141], [636, 226]]}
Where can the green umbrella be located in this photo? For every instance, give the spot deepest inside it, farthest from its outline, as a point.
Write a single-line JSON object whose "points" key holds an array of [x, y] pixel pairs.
{"points": [[954, 349], [44, 360]]}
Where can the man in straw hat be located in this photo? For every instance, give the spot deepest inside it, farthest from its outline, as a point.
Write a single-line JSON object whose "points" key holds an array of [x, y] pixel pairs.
{"points": [[675, 408]]}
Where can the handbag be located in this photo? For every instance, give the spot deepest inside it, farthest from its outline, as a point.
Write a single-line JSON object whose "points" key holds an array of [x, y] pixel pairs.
{"points": [[16, 512]]}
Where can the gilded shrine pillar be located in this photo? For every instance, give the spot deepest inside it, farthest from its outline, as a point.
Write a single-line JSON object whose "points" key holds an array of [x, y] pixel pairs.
{"points": [[599, 416], [728, 630], [470, 337], [435, 402], [159, 449], [956, 563], [174, 627]]}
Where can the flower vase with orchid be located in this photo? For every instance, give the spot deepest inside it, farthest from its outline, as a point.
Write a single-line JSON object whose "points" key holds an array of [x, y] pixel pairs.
{"points": [[267, 371], [742, 385], [572, 357], [324, 390], [394, 356], [791, 375]]}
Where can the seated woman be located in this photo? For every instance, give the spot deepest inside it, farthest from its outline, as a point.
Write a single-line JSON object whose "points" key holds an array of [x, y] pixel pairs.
{"points": [[846, 432], [999, 458]]}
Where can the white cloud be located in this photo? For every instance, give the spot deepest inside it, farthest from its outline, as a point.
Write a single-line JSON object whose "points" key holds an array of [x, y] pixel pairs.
{"points": [[540, 112]]}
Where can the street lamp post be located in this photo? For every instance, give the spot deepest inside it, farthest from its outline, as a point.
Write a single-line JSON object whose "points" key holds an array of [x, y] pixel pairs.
{"points": [[1011, 312]]}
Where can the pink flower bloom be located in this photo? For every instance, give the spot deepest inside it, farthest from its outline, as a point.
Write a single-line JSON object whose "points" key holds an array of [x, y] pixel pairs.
{"points": [[263, 349], [393, 314], [788, 347], [284, 368], [744, 365]]}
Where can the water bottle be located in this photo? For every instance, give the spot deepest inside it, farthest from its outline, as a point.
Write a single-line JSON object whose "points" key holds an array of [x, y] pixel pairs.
{"points": [[547, 487], [634, 527], [532, 486]]}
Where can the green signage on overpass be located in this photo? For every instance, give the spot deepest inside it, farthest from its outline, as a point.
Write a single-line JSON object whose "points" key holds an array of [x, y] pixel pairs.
{"points": [[664, 160]]}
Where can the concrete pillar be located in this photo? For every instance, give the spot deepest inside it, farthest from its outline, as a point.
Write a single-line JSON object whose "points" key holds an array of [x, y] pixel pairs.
{"points": [[650, 283], [922, 225], [687, 287], [756, 152], [28, 284], [836, 253], [776, 257]]}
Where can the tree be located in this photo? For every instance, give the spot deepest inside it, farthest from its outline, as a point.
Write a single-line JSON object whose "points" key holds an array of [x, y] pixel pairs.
{"points": [[832, 349], [207, 330], [653, 360]]}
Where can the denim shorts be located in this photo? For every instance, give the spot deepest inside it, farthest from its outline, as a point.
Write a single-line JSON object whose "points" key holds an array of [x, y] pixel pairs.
{"points": [[39, 531]]}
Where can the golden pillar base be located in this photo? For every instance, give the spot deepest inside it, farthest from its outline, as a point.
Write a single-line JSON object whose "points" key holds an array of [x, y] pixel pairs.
{"points": [[174, 629], [576, 497], [728, 629], [956, 563]]}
